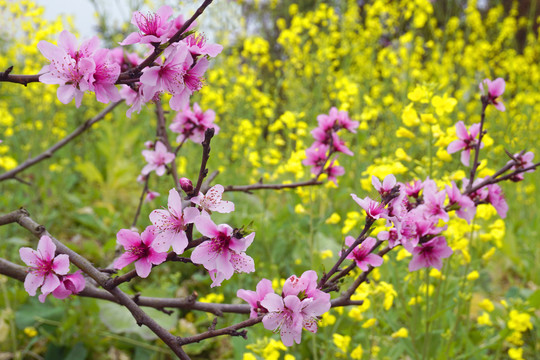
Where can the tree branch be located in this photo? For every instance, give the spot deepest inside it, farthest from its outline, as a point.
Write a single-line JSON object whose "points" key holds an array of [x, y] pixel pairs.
{"points": [[50, 151]]}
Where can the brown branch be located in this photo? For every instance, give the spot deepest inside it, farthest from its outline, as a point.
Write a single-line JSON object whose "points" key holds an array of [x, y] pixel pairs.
{"points": [[485, 102], [203, 171], [261, 186], [230, 330], [141, 200], [22, 217], [127, 76], [50, 151], [18, 272]]}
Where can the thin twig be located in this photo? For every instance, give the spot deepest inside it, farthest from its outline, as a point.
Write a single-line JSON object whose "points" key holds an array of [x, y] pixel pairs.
{"points": [[50, 151], [230, 330], [141, 200]]}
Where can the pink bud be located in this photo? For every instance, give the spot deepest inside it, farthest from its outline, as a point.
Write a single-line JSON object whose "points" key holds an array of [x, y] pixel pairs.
{"points": [[151, 195], [149, 144], [186, 185]]}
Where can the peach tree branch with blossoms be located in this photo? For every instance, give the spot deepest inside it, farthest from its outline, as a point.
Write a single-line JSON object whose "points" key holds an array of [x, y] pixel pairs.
{"points": [[415, 213]]}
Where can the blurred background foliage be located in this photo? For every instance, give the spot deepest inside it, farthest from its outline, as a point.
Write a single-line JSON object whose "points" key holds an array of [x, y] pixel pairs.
{"points": [[407, 70]]}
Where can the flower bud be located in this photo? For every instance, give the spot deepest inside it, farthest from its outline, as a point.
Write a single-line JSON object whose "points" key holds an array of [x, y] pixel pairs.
{"points": [[149, 144], [186, 185]]}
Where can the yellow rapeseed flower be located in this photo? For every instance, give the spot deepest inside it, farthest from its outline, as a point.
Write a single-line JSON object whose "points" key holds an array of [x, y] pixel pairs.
{"points": [[342, 342], [401, 333]]}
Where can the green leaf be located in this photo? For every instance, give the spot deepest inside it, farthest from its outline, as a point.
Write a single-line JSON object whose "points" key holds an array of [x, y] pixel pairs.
{"points": [[29, 314], [78, 352], [119, 320], [534, 299], [90, 172]]}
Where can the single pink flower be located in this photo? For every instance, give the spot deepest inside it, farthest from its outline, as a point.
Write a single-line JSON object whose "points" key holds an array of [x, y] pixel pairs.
{"points": [[289, 315], [333, 171], [494, 89], [362, 253], [70, 68], [151, 195], [304, 286], [284, 316], [69, 284], [139, 248], [211, 201], [193, 124], [373, 209], [430, 254], [467, 141], [153, 27], [339, 145], [316, 156], [168, 77], [224, 254], [171, 224], [254, 298], [393, 236], [157, 159], [434, 203], [45, 268]]}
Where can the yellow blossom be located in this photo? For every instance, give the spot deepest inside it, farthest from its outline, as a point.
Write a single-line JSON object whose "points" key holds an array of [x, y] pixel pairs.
{"points": [[519, 321], [487, 305], [369, 323], [30, 331], [357, 352], [342, 341], [401, 333], [515, 353], [473, 275], [333, 219], [484, 319]]}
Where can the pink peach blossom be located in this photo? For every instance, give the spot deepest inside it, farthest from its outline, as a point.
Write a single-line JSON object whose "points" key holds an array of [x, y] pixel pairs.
{"points": [[362, 253], [224, 254], [171, 224], [254, 298], [211, 201], [466, 142], [139, 249], [45, 267], [430, 254], [494, 90], [157, 159]]}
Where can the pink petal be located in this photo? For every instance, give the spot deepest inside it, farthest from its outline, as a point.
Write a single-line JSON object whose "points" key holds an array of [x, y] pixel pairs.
{"points": [[461, 130], [496, 88], [29, 256], [132, 38], [143, 267], [273, 303], [51, 282], [179, 242], [202, 255], [156, 257], [127, 238], [150, 75], [174, 203], [190, 214], [46, 248], [68, 42], [124, 260], [465, 156], [50, 51], [242, 263], [206, 226], [61, 264], [32, 282], [66, 93], [500, 106], [455, 146]]}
